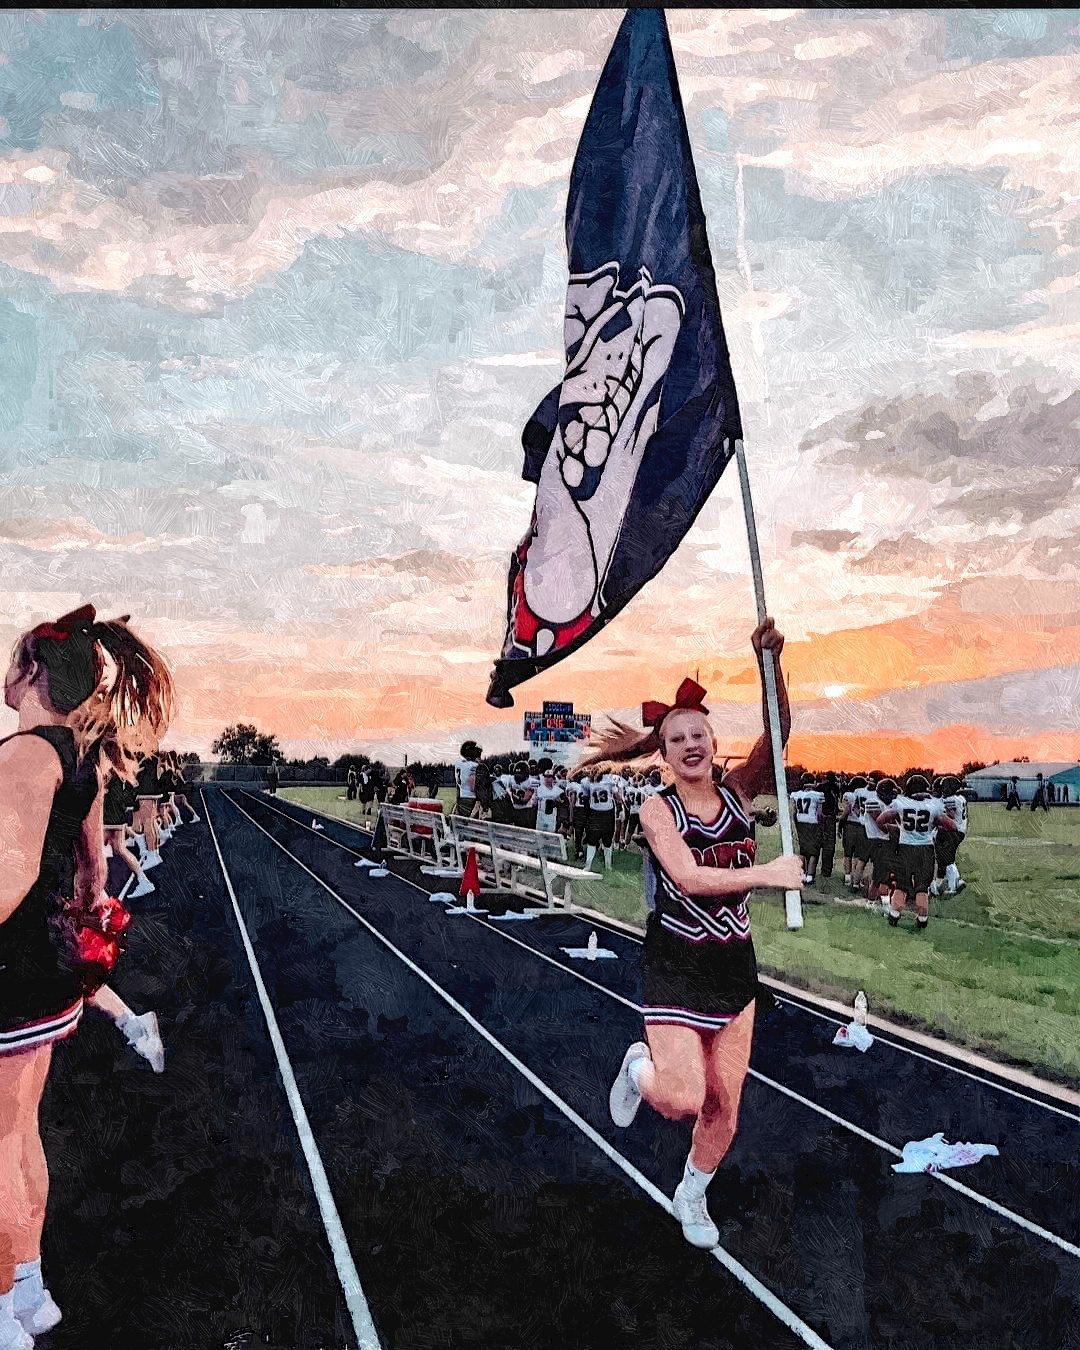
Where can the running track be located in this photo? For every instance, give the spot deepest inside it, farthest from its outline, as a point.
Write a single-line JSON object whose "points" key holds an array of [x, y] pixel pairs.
{"points": [[419, 1154]]}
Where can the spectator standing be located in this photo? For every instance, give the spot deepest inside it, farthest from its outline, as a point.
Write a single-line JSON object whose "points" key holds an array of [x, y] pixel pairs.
{"points": [[1012, 801], [1040, 798], [830, 809]]}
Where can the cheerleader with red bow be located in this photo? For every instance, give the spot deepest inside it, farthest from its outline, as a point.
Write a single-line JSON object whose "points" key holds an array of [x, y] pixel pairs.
{"points": [[89, 696], [698, 967]]}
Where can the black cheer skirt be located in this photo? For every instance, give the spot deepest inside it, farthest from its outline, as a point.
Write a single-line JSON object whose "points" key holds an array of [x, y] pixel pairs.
{"points": [[703, 985]]}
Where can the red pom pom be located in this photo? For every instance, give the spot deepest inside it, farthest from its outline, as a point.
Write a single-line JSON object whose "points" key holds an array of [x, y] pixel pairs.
{"points": [[96, 950], [111, 914]]}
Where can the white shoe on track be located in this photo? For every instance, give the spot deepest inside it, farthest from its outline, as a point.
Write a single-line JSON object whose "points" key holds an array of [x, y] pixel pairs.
{"points": [[692, 1212], [145, 887], [152, 859], [38, 1316], [625, 1095], [12, 1334]]}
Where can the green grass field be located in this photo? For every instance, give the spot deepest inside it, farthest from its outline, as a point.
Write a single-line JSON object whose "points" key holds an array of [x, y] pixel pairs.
{"points": [[998, 969]]}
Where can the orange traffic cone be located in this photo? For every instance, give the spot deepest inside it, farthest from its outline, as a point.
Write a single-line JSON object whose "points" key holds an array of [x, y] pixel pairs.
{"points": [[470, 882]]}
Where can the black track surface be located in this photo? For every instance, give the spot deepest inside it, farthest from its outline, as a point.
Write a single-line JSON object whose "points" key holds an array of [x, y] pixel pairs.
{"points": [[477, 1214]]}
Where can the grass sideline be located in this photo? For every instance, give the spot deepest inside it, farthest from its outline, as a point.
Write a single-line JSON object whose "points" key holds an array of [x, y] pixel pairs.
{"points": [[998, 970]]}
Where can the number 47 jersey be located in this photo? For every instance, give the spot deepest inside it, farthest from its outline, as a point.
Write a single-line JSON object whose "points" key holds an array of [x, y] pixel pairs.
{"points": [[918, 817]]}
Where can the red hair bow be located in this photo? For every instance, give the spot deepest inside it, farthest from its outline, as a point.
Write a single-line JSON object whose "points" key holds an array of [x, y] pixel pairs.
{"points": [[688, 697], [63, 628]]}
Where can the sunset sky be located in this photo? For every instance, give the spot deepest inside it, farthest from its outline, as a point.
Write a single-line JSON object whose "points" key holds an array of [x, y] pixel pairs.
{"points": [[279, 288]]}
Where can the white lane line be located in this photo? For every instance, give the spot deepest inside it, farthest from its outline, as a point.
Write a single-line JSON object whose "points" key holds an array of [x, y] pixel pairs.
{"points": [[765, 1295], [618, 931], [977, 1196], [366, 1336], [930, 1059]]}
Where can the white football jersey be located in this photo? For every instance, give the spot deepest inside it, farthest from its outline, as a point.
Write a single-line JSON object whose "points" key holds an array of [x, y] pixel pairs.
{"points": [[547, 799], [849, 800], [807, 803], [956, 810], [465, 776], [872, 808], [602, 793], [521, 794], [917, 818]]}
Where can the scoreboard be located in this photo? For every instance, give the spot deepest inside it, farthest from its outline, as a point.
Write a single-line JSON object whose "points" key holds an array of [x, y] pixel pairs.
{"points": [[557, 727]]}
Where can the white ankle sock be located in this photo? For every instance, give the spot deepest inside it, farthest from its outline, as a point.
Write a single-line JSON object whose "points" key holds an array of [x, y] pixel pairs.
{"points": [[695, 1182], [28, 1289], [634, 1071]]}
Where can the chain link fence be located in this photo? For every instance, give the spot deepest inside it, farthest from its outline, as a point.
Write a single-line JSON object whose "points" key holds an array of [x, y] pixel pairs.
{"points": [[289, 775]]}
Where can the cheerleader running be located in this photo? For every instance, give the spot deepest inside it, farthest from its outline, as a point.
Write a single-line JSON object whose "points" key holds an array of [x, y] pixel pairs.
{"points": [[180, 784], [148, 797], [119, 798], [54, 919], [698, 968]]}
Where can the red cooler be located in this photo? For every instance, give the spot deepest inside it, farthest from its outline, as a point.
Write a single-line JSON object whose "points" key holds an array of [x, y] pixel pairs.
{"points": [[424, 804]]}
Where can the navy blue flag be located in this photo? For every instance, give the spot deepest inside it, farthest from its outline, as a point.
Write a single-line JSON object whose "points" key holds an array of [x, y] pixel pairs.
{"points": [[625, 451]]}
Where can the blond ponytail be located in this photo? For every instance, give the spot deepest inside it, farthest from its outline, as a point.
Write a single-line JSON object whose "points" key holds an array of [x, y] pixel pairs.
{"points": [[129, 713]]}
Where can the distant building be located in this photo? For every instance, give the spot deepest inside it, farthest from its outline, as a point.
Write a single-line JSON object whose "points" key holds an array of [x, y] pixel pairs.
{"points": [[992, 783]]}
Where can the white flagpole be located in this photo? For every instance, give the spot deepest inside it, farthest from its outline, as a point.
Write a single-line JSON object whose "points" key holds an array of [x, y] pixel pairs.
{"points": [[792, 899]]}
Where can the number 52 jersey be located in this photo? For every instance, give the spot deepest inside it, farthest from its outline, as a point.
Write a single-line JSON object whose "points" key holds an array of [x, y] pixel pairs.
{"points": [[917, 818]]}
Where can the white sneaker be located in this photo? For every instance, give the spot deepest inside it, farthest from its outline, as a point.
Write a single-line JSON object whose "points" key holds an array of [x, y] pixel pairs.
{"points": [[691, 1211], [152, 859], [144, 1037], [625, 1095], [960, 885], [195, 819], [39, 1313], [12, 1334], [145, 887]]}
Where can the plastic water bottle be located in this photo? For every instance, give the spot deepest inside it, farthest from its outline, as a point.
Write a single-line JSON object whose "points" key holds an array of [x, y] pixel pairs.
{"points": [[860, 1008], [591, 953]]}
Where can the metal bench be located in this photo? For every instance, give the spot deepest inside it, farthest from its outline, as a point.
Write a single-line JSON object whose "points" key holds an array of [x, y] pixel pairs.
{"points": [[514, 849], [419, 834]]}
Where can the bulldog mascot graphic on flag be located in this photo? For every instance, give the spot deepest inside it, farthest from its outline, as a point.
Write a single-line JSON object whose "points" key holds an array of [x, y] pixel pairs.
{"points": [[619, 344]]}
